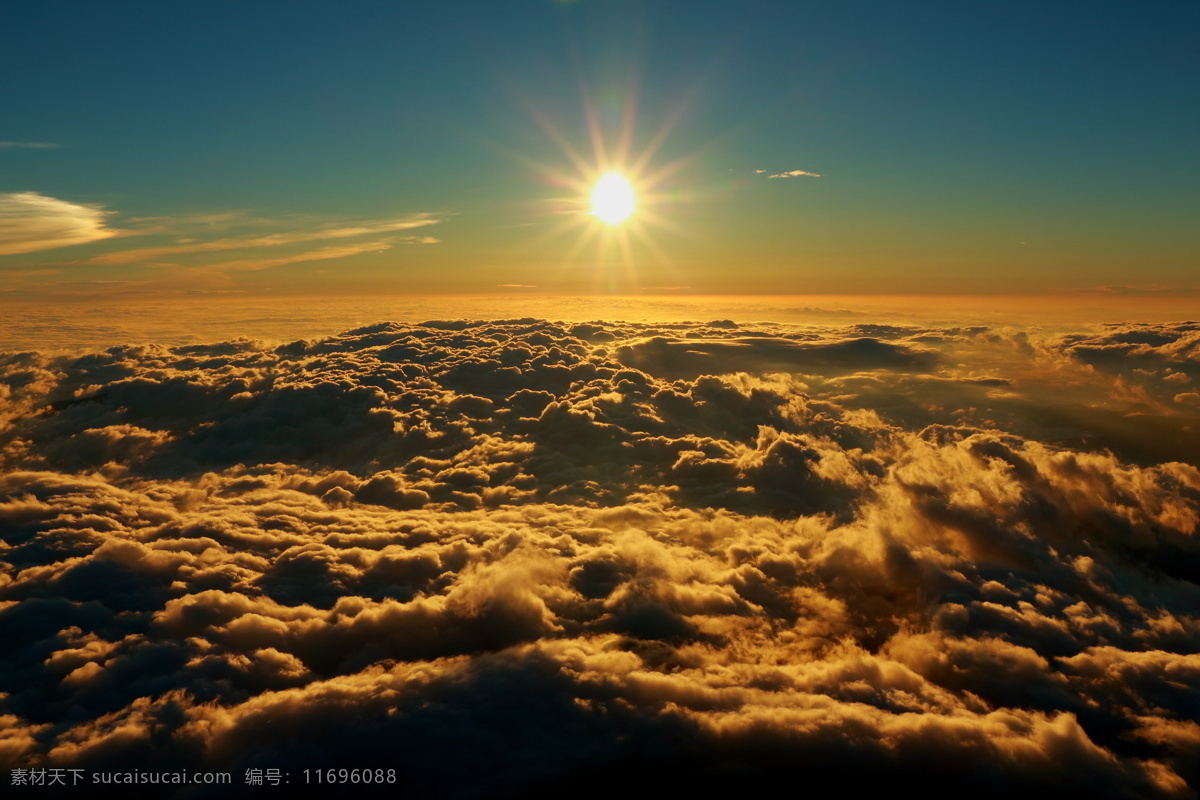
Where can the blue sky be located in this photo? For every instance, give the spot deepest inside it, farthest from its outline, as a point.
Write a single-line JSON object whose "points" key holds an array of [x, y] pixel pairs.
{"points": [[959, 146]]}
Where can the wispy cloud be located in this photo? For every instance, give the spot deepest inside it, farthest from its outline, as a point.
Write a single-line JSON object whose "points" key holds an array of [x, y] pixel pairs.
{"points": [[759, 171], [30, 222], [795, 173], [322, 254], [1148, 289], [27, 145], [271, 240]]}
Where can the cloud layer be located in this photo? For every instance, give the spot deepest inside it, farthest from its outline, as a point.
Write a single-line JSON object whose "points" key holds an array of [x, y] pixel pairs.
{"points": [[573, 557]]}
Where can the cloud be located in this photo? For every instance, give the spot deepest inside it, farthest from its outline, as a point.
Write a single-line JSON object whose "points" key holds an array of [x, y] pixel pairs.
{"points": [[684, 555], [795, 173], [274, 240], [30, 222], [1146, 289], [692, 357], [321, 254], [27, 145]]}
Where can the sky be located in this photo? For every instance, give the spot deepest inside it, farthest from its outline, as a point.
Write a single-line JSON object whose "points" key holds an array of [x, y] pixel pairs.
{"points": [[371, 148]]}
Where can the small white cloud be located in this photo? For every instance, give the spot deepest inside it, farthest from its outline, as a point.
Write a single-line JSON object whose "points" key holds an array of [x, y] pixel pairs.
{"points": [[796, 173], [30, 221], [759, 171]]}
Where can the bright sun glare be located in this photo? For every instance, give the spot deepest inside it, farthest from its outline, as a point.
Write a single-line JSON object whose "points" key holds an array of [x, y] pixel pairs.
{"points": [[612, 199]]}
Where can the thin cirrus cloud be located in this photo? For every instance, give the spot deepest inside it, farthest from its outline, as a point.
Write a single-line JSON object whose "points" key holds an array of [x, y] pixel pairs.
{"points": [[1154, 289], [322, 254], [420, 220], [30, 222], [795, 173], [27, 145]]}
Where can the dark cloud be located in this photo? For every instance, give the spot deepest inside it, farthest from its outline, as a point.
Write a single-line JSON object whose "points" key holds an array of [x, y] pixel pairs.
{"points": [[684, 358], [582, 557]]}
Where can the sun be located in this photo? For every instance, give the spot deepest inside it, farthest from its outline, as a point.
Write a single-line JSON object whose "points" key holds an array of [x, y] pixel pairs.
{"points": [[618, 197], [613, 198]]}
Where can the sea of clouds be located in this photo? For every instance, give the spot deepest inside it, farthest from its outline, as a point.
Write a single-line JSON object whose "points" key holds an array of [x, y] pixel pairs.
{"points": [[519, 557]]}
